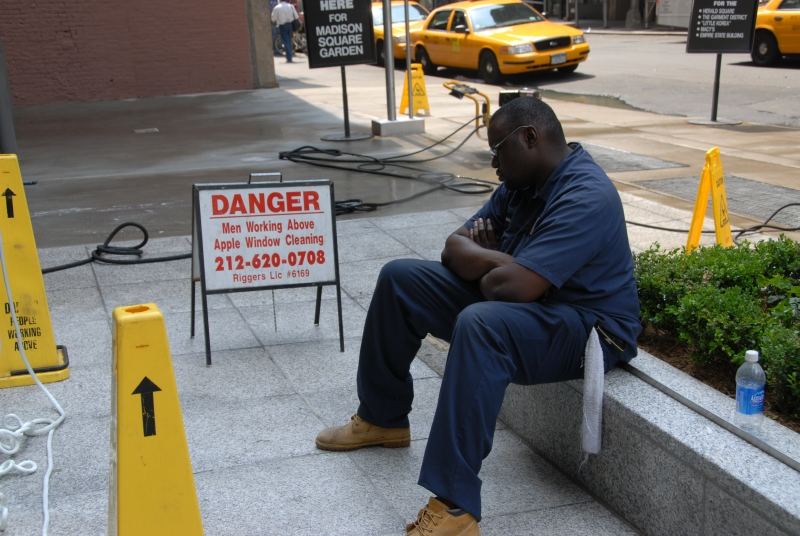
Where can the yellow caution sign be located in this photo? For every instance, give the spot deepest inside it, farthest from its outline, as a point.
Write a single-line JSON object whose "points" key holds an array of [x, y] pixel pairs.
{"points": [[419, 93], [151, 488], [27, 287], [712, 181]]}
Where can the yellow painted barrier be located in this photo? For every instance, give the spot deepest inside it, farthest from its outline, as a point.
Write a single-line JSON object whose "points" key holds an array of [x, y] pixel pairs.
{"points": [[419, 93], [712, 181], [151, 484], [27, 285]]}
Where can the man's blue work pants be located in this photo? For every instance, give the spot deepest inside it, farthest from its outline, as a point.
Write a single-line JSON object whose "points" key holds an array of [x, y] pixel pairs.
{"points": [[491, 344]]}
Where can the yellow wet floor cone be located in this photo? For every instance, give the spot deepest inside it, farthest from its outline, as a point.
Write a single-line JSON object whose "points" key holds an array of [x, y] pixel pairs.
{"points": [[151, 487], [419, 93], [35, 336]]}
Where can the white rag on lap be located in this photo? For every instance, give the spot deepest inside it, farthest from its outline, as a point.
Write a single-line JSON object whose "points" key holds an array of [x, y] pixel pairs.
{"points": [[593, 376]]}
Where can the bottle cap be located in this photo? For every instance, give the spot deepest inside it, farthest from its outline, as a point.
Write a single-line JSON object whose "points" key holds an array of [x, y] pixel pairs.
{"points": [[751, 356]]}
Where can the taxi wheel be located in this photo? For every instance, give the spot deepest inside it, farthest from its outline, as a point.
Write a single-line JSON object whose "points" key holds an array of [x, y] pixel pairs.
{"points": [[487, 66], [381, 53], [428, 67], [765, 49], [568, 69]]}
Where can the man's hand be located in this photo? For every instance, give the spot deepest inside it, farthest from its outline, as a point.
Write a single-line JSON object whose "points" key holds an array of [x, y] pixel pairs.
{"points": [[482, 233], [472, 255], [466, 255]]}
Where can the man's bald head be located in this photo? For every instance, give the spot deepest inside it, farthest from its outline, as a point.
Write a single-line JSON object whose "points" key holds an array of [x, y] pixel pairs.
{"points": [[531, 111], [527, 142]]}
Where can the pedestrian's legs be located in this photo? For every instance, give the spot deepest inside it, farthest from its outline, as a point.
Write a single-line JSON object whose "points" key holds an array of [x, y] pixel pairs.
{"points": [[412, 298], [493, 344], [286, 36]]}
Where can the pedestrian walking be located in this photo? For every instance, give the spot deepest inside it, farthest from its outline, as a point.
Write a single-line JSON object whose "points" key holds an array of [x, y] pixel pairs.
{"points": [[284, 15]]}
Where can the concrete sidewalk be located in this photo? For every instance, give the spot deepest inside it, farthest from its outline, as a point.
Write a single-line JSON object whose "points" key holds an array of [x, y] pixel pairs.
{"points": [[277, 379]]}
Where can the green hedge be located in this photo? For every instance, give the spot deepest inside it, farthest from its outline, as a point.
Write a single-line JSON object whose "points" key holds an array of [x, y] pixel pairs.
{"points": [[721, 302]]}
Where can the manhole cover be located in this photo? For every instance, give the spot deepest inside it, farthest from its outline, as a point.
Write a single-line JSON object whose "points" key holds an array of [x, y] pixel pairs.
{"points": [[613, 160], [745, 196]]}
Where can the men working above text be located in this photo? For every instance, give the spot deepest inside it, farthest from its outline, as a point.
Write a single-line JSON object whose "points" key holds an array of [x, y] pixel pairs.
{"points": [[519, 288]]}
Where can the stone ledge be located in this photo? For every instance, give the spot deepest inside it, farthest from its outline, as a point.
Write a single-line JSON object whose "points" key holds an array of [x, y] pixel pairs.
{"points": [[664, 468]]}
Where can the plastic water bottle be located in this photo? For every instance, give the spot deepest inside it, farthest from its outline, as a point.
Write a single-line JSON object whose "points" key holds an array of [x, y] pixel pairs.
{"points": [[750, 380]]}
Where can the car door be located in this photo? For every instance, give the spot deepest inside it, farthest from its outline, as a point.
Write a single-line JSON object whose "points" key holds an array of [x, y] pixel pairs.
{"points": [[460, 42], [787, 26], [435, 37]]}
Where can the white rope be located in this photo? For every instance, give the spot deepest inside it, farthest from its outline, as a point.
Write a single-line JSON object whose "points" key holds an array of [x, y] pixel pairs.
{"points": [[14, 430]]}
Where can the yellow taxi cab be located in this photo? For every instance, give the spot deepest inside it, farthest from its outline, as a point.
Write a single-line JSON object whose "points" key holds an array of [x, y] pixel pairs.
{"points": [[497, 37], [777, 31], [416, 16]]}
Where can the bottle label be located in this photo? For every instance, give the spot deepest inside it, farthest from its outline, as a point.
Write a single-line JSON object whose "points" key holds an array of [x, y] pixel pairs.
{"points": [[749, 400]]}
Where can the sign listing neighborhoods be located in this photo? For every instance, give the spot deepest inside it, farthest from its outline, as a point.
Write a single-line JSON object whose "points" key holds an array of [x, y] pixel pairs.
{"points": [[267, 235], [339, 32], [721, 26]]}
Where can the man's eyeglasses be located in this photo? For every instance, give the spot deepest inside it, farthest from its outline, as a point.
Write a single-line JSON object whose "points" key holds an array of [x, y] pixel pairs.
{"points": [[496, 147]]}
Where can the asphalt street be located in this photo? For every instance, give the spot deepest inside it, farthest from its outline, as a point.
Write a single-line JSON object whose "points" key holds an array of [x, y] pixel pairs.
{"points": [[654, 73]]}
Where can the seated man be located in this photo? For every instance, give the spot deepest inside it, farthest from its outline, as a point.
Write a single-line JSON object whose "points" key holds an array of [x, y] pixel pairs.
{"points": [[519, 289]]}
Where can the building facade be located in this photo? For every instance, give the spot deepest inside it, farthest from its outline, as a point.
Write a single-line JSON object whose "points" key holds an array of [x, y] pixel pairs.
{"points": [[88, 50]]}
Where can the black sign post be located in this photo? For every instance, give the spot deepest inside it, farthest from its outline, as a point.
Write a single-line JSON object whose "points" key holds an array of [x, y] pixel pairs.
{"points": [[721, 26], [340, 33]]}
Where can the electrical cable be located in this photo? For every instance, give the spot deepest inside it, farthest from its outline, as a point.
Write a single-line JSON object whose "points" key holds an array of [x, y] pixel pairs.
{"points": [[14, 431], [739, 232], [361, 163], [106, 248]]}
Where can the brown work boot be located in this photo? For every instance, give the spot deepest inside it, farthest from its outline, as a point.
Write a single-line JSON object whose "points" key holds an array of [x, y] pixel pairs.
{"points": [[436, 520], [358, 433]]}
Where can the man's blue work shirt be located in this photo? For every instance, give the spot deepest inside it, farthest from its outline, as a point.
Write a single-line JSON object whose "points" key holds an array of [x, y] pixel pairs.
{"points": [[571, 231]]}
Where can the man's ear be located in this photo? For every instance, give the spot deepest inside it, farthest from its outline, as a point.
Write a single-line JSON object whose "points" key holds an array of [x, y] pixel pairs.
{"points": [[531, 136]]}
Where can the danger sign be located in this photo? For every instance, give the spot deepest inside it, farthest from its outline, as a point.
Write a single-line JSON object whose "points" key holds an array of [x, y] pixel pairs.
{"points": [[266, 235]]}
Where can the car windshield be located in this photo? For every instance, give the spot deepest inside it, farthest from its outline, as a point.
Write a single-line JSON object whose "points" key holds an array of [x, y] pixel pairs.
{"points": [[415, 12], [486, 17]]}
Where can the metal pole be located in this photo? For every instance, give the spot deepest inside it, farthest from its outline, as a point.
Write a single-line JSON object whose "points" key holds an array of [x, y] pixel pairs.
{"points": [[8, 139], [646, 10], [715, 99], [605, 13], [577, 16], [388, 57], [346, 109], [408, 65]]}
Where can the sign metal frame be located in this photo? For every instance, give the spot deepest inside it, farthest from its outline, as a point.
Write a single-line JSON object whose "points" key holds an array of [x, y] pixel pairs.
{"points": [[198, 234]]}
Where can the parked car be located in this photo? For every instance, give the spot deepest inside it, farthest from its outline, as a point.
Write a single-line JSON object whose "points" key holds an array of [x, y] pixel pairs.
{"points": [[416, 16], [777, 31], [497, 37]]}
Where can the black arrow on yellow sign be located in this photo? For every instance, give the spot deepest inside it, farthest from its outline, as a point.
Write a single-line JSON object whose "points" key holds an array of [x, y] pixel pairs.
{"points": [[9, 195], [146, 388]]}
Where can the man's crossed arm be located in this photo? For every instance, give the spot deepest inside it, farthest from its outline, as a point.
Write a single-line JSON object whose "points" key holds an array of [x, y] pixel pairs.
{"points": [[472, 255]]}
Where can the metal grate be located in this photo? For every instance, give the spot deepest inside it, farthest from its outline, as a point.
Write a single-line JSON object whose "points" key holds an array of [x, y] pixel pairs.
{"points": [[552, 43], [746, 197], [613, 160]]}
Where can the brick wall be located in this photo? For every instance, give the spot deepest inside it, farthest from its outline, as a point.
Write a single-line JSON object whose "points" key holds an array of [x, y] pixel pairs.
{"points": [[83, 50]]}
